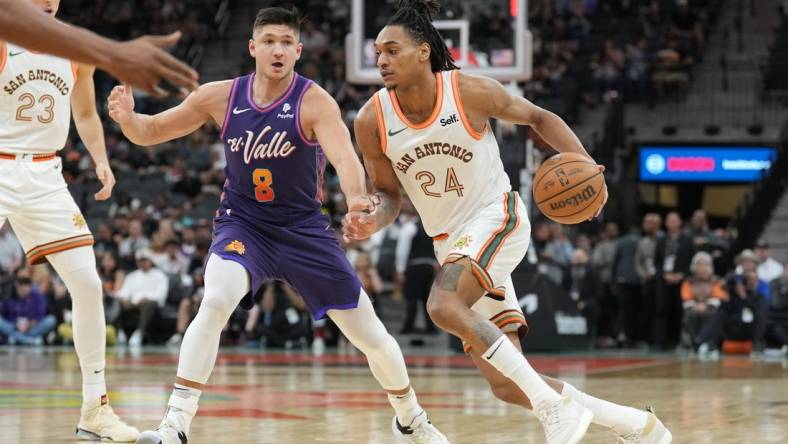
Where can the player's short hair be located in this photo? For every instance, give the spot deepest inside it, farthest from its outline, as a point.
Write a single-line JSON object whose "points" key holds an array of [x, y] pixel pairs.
{"points": [[291, 18], [416, 17]]}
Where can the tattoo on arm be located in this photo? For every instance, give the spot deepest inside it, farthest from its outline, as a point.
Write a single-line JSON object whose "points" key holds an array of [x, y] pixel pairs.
{"points": [[449, 277], [487, 332], [386, 211]]}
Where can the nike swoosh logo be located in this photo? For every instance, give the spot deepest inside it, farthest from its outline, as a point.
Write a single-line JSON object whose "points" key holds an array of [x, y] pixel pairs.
{"points": [[237, 111], [496, 349], [98, 371], [14, 54], [394, 133]]}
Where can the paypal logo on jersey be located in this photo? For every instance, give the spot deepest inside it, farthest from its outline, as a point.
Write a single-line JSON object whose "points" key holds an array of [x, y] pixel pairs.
{"points": [[285, 110], [449, 121]]}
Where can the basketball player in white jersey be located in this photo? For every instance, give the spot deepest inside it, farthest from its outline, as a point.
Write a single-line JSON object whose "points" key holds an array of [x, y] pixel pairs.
{"points": [[428, 130], [37, 96]]}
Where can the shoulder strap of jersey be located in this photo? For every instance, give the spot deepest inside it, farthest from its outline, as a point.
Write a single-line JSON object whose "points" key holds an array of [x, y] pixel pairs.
{"points": [[380, 117], [457, 99]]}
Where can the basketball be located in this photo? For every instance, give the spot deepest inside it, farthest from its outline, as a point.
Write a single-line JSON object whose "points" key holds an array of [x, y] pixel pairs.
{"points": [[569, 188]]}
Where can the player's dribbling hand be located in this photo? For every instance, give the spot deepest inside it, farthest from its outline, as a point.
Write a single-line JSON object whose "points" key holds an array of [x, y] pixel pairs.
{"points": [[360, 221], [604, 199], [107, 179], [121, 103]]}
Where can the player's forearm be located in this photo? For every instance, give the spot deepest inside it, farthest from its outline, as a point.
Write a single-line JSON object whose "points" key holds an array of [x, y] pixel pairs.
{"points": [[140, 130], [92, 134], [23, 24], [388, 209], [557, 133], [351, 176]]}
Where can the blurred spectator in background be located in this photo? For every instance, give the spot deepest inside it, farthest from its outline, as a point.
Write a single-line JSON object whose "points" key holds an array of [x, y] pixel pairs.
{"points": [[585, 290], [283, 318], [24, 317], [144, 290], [742, 316], [11, 254], [188, 307], [672, 259], [135, 241], [768, 268], [368, 275], [702, 293], [626, 288], [602, 257], [416, 268], [172, 261], [647, 270]]}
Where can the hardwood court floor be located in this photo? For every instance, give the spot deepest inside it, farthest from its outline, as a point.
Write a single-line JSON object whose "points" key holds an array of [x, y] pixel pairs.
{"points": [[295, 398]]}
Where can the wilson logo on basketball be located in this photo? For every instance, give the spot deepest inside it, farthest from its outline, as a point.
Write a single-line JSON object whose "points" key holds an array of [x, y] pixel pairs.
{"points": [[587, 194]]}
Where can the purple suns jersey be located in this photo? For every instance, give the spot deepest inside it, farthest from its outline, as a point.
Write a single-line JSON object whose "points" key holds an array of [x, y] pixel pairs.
{"points": [[274, 172]]}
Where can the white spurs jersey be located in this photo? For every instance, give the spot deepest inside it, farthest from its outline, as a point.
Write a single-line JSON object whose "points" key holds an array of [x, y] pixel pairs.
{"points": [[449, 170], [35, 100]]}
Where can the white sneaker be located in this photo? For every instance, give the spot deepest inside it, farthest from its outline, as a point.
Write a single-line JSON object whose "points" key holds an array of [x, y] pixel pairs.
{"points": [[565, 421], [175, 339], [136, 339], [168, 433], [654, 432], [99, 423], [423, 433], [122, 339]]}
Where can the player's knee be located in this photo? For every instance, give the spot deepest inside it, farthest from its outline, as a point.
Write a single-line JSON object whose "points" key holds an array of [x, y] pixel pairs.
{"points": [[87, 286], [441, 309]]}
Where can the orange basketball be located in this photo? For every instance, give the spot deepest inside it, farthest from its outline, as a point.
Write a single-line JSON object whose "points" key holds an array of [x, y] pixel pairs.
{"points": [[569, 188]]}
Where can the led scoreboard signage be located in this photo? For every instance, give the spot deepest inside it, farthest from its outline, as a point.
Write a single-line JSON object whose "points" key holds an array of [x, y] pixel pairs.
{"points": [[705, 164]]}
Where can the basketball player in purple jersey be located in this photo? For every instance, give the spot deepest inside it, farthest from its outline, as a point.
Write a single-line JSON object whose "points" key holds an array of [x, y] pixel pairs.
{"points": [[275, 125], [430, 122]]}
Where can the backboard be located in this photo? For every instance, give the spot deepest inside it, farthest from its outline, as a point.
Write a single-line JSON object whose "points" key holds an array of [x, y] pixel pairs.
{"points": [[486, 37]]}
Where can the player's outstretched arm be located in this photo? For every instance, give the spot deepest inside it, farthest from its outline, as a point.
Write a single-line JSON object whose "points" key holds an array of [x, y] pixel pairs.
{"points": [[387, 197], [140, 62], [89, 128], [320, 115], [171, 124]]}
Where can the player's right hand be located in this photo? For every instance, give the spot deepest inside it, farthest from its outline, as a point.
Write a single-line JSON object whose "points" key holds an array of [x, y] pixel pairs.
{"points": [[360, 222], [144, 64], [121, 104]]}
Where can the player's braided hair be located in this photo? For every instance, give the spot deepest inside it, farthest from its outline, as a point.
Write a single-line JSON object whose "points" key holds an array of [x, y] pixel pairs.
{"points": [[416, 17]]}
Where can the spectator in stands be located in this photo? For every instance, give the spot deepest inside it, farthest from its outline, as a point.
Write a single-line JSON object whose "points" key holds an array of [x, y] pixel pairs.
{"points": [[602, 257], [284, 319], [746, 262], [11, 254], [703, 239], [559, 250], [672, 259], [188, 307], [172, 261], [104, 241], [416, 269], [671, 68], [626, 288], [743, 315], [777, 319], [24, 317], [768, 268], [144, 290], [368, 274], [585, 289], [702, 293], [135, 241]]}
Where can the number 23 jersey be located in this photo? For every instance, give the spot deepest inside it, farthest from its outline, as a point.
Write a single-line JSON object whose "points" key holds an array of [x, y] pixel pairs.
{"points": [[35, 100], [449, 170]]}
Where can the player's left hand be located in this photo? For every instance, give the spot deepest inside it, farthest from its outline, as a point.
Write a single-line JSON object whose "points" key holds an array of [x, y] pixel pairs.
{"points": [[359, 223], [604, 198], [107, 178]]}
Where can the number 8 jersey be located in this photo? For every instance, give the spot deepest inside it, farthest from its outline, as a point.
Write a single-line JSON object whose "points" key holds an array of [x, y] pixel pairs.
{"points": [[449, 170], [35, 100]]}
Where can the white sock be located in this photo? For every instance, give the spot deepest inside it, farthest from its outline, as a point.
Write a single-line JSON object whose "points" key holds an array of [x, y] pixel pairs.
{"points": [[93, 384], [407, 408], [183, 406], [620, 418], [505, 357]]}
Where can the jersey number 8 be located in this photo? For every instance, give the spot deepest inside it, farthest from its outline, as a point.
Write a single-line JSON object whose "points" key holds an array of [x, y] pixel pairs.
{"points": [[263, 180]]}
